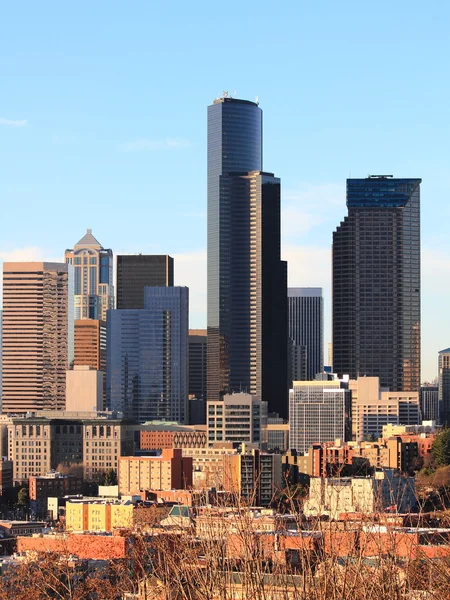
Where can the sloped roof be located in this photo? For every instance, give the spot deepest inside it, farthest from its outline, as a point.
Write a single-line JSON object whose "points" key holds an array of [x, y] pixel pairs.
{"points": [[88, 240]]}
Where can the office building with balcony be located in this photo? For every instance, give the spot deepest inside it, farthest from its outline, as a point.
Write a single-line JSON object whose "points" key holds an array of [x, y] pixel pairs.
{"points": [[37, 342]]}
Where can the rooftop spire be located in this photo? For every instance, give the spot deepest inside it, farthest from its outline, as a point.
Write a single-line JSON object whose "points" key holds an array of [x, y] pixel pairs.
{"points": [[88, 241]]}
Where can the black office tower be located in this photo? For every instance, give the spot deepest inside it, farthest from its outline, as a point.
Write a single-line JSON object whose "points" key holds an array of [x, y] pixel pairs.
{"points": [[376, 283], [137, 271], [247, 281]]}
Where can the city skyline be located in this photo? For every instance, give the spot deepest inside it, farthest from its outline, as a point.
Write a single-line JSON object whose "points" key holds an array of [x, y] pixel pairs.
{"points": [[98, 130]]}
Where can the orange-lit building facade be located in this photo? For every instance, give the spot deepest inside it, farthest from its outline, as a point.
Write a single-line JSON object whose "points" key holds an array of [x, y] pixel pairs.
{"points": [[37, 335]]}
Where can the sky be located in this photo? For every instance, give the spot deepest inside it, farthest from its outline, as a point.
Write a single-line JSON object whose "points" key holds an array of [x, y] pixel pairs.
{"points": [[103, 126]]}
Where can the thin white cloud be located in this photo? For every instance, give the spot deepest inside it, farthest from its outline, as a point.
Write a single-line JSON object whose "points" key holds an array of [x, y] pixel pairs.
{"points": [[190, 270], [316, 195], [143, 144], [296, 221], [13, 122], [312, 206]]}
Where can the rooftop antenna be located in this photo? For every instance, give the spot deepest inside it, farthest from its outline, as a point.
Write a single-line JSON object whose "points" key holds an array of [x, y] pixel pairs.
{"points": [[257, 100]]}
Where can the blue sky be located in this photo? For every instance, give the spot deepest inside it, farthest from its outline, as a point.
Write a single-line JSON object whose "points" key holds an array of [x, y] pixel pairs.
{"points": [[103, 125]]}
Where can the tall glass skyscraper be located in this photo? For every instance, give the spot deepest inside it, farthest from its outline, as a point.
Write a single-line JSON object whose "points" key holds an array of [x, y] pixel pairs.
{"points": [[376, 283], [147, 357], [305, 315], [93, 278], [247, 281]]}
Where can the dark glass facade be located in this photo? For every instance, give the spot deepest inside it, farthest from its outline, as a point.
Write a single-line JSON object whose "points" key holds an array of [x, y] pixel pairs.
{"points": [[444, 387], [305, 318], [376, 283], [197, 363], [135, 272], [147, 357], [247, 319]]}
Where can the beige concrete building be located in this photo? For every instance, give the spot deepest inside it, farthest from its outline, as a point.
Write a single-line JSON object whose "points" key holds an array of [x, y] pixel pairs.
{"points": [[37, 335], [170, 471], [84, 389], [79, 443], [237, 418], [386, 490], [373, 407]]}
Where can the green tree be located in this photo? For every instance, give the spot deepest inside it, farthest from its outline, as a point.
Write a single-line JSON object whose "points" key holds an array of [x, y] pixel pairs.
{"points": [[22, 497], [441, 449], [110, 478]]}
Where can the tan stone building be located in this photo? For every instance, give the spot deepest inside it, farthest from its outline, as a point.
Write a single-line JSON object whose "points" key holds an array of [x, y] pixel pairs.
{"points": [[37, 345], [86, 444], [373, 407], [170, 471]]}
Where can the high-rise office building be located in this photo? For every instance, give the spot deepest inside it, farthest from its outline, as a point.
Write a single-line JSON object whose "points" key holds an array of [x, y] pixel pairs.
{"points": [[429, 403], [197, 376], [137, 271], [247, 281], [147, 357], [444, 386], [37, 335], [305, 318], [197, 363], [93, 278], [237, 418], [319, 411], [376, 283], [90, 344], [1, 321]]}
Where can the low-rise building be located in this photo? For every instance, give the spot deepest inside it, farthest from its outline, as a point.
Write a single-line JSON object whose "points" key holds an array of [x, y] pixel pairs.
{"points": [[84, 546], [169, 471], [159, 436], [386, 490], [25, 528], [85, 443], [89, 515], [56, 485]]}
